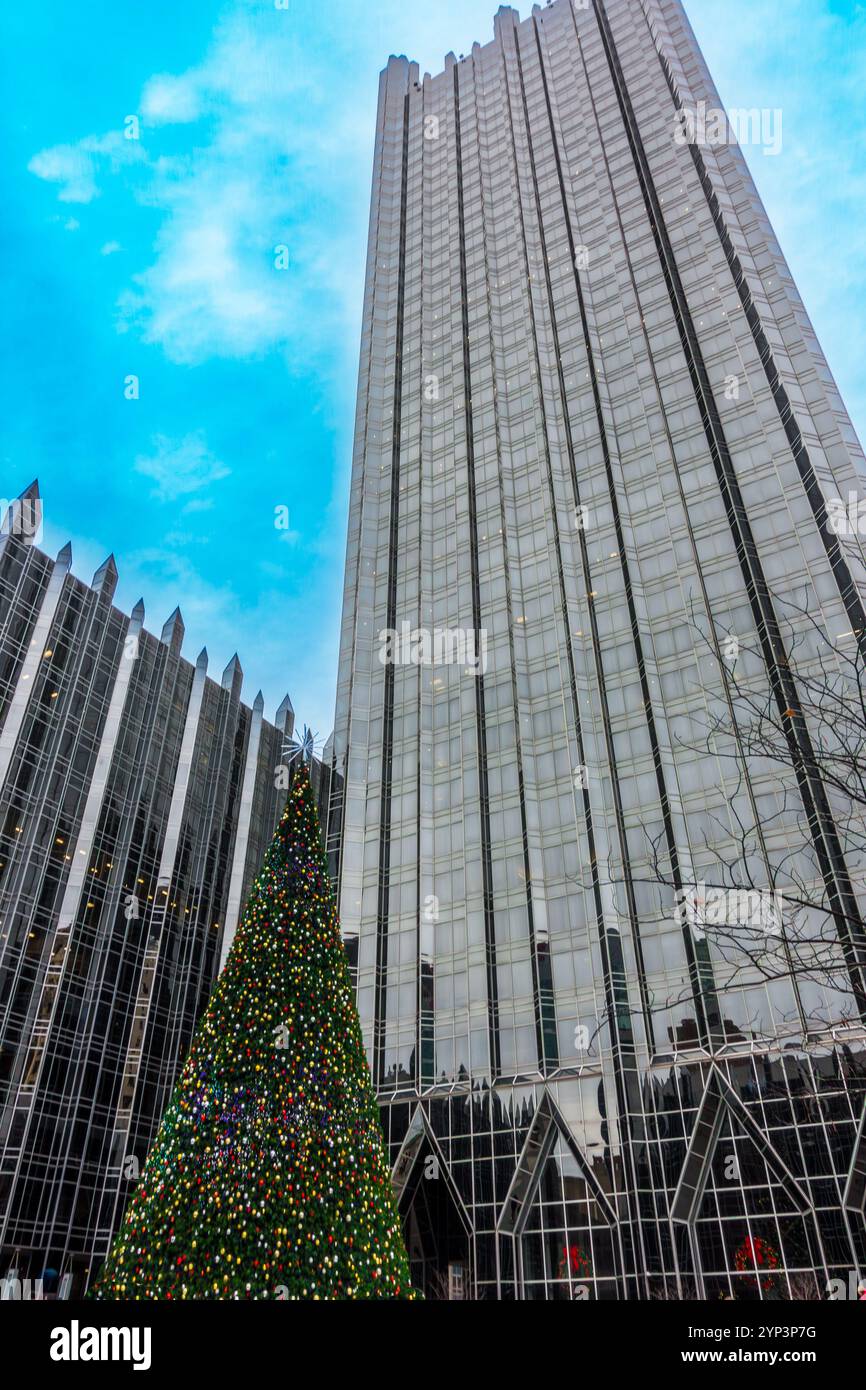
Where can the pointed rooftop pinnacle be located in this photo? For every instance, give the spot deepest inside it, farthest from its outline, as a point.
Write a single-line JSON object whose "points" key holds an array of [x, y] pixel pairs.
{"points": [[259, 704], [105, 578], [201, 663], [285, 718], [64, 557], [505, 15], [30, 493], [233, 676], [136, 618], [173, 632]]}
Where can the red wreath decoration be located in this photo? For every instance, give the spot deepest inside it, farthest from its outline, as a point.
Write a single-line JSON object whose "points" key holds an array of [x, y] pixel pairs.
{"points": [[755, 1253], [574, 1259]]}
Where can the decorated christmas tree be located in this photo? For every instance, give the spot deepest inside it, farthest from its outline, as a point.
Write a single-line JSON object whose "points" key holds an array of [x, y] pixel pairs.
{"points": [[268, 1177]]}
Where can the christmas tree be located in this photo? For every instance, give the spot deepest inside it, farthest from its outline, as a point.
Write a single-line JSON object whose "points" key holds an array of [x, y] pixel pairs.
{"points": [[268, 1177]]}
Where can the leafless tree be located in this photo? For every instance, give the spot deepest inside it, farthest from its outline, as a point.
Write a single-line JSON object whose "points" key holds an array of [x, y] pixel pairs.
{"points": [[809, 733]]}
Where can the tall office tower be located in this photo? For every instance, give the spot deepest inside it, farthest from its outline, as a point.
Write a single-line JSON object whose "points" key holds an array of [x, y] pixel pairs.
{"points": [[137, 797], [595, 448]]}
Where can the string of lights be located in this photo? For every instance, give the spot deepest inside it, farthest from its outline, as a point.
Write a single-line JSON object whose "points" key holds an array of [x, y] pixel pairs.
{"points": [[268, 1177]]}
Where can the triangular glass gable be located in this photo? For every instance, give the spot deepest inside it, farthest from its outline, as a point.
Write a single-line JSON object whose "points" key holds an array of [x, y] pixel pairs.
{"points": [[436, 1226], [751, 1235], [751, 1225], [567, 1243], [561, 1222]]}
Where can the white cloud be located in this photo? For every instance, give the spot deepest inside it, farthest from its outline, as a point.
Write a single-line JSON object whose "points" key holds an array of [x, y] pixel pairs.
{"points": [[213, 288], [266, 143], [75, 167], [180, 467], [167, 99], [69, 166], [110, 248]]}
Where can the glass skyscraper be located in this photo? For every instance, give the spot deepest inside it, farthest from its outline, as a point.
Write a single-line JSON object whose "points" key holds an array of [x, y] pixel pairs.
{"points": [[596, 445], [137, 798]]}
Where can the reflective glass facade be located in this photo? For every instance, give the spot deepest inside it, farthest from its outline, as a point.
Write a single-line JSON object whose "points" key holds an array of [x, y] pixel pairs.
{"points": [[137, 797], [592, 417]]}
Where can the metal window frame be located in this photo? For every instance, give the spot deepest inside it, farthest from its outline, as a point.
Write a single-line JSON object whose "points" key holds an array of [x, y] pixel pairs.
{"points": [[547, 1122]]}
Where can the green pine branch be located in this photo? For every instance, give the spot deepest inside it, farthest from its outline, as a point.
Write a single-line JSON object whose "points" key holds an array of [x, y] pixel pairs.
{"points": [[268, 1177]]}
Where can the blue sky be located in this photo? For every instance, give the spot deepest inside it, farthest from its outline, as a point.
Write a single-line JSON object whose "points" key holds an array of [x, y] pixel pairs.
{"points": [[155, 258]]}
